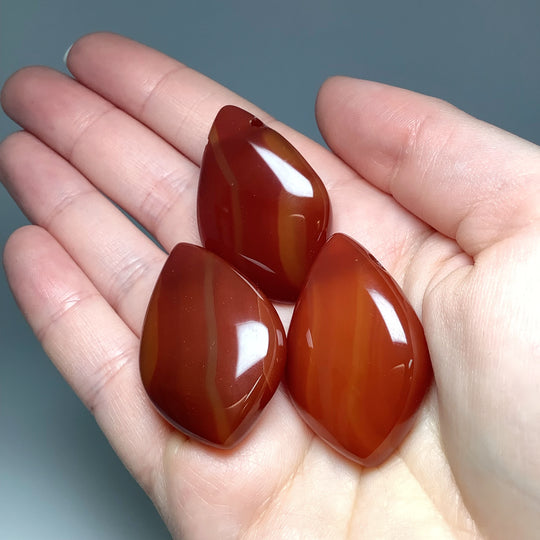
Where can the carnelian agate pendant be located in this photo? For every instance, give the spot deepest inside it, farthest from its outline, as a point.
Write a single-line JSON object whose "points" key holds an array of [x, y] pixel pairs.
{"points": [[260, 205], [358, 365], [212, 347]]}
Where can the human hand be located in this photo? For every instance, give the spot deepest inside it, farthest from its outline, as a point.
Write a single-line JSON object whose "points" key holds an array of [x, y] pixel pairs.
{"points": [[449, 205]]}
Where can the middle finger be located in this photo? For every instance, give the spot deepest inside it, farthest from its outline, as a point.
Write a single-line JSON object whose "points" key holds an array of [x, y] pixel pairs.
{"points": [[123, 158]]}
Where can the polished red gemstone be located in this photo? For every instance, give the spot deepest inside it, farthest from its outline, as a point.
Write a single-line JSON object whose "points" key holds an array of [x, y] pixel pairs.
{"points": [[358, 365], [212, 347], [260, 204]]}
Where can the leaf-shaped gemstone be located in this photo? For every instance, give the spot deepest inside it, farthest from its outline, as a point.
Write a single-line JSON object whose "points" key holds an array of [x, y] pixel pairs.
{"points": [[212, 347], [358, 365], [260, 204]]}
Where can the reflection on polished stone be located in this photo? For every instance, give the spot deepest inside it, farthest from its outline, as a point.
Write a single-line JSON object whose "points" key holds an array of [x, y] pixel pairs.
{"points": [[260, 204], [212, 348], [358, 365]]}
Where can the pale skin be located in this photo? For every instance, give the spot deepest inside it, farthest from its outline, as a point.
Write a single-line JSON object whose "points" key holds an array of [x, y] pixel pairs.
{"points": [[448, 204]]}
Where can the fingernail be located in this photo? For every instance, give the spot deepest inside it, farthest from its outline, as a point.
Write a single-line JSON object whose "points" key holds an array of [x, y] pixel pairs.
{"points": [[66, 54]]}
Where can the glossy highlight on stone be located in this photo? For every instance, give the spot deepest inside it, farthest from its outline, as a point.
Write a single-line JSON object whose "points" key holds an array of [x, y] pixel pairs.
{"points": [[358, 364], [260, 204], [212, 347]]}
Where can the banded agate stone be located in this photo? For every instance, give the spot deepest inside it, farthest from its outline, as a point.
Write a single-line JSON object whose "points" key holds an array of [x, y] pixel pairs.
{"points": [[212, 347], [358, 365], [260, 204]]}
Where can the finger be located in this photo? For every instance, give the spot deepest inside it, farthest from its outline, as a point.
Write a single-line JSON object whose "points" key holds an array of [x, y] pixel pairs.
{"points": [[121, 157], [89, 344], [174, 100], [469, 180], [117, 257], [177, 102]]}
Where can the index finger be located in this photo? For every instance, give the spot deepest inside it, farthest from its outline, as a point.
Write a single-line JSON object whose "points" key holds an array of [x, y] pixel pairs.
{"points": [[174, 100]]}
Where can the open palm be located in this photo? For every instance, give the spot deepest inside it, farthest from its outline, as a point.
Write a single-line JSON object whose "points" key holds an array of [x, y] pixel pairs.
{"points": [[449, 205]]}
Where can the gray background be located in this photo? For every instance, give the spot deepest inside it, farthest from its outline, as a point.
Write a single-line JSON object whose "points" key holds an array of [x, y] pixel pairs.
{"points": [[59, 479]]}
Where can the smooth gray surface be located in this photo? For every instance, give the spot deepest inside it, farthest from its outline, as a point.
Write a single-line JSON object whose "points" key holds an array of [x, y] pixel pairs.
{"points": [[59, 479]]}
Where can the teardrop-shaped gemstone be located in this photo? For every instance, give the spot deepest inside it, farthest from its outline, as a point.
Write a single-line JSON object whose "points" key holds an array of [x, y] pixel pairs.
{"points": [[212, 347], [260, 204], [358, 364]]}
